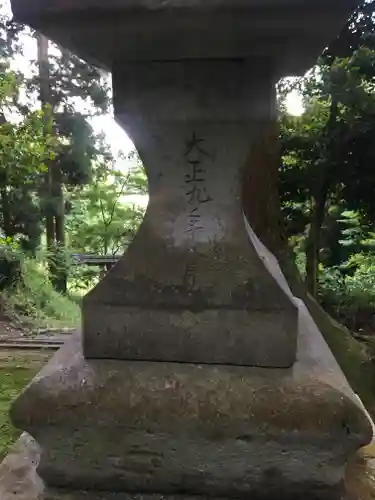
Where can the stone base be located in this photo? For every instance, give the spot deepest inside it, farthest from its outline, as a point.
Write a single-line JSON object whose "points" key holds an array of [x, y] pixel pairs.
{"points": [[176, 430], [19, 480], [340, 494], [18, 477], [181, 429]]}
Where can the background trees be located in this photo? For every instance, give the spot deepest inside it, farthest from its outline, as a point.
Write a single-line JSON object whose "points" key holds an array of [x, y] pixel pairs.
{"points": [[327, 180], [313, 205], [56, 173]]}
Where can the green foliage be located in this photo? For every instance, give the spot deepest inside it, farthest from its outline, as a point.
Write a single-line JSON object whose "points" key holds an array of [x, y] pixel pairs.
{"points": [[356, 233], [54, 172], [24, 151], [76, 149], [348, 292], [34, 300], [10, 263], [100, 220], [69, 83], [73, 80], [328, 153], [31, 298]]}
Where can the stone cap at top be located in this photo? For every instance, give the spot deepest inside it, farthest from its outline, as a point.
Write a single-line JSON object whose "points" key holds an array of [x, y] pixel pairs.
{"points": [[289, 33]]}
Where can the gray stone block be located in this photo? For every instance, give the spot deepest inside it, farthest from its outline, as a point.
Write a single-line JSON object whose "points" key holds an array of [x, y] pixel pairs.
{"points": [[113, 429], [19, 481], [192, 287], [291, 32], [194, 429], [216, 336], [18, 477]]}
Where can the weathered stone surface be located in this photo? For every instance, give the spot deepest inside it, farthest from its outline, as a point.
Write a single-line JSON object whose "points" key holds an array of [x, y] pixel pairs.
{"points": [[18, 477], [200, 429], [61, 494], [191, 287], [179, 429], [292, 32]]}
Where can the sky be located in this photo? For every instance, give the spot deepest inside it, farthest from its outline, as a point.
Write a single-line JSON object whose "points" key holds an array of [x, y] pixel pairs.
{"points": [[294, 104]]}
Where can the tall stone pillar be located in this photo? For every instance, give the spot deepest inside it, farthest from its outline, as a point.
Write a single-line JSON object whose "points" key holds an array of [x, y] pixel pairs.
{"points": [[191, 287], [199, 374]]}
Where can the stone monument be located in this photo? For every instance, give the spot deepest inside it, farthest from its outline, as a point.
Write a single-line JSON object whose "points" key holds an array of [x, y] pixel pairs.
{"points": [[198, 373]]}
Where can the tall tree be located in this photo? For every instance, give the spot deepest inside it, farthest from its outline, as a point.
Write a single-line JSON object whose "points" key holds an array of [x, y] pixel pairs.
{"points": [[46, 105], [22, 153], [328, 153], [356, 37], [65, 82]]}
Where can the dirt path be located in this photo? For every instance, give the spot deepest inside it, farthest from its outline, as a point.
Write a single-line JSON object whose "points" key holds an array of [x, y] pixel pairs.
{"points": [[10, 331]]}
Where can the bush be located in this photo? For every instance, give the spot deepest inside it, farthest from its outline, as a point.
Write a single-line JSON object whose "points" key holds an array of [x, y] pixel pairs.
{"points": [[33, 300], [348, 292], [10, 263]]}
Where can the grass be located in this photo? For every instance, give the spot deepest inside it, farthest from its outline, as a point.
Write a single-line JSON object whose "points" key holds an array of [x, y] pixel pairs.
{"points": [[16, 371], [35, 302], [31, 304]]}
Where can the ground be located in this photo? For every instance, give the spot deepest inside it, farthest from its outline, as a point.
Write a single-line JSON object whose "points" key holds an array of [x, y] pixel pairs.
{"points": [[17, 368], [360, 475]]}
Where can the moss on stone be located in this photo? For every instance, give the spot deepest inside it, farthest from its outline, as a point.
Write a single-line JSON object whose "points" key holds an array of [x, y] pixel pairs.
{"points": [[354, 358]]}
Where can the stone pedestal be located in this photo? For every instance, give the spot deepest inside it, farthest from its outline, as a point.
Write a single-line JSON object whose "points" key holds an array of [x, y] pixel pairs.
{"points": [[198, 376], [191, 287], [127, 429]]}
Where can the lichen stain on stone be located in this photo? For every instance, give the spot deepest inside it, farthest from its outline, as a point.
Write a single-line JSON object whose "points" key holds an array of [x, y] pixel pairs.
{"points": [[147, 292]]}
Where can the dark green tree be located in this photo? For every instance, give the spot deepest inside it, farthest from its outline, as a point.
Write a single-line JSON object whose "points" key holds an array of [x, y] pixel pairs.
{"points": [[64, 82], [23, 150], [328, 153], [261, 205]]}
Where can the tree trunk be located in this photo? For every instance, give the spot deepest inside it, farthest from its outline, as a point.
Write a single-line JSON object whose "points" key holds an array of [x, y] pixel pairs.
{"points": [[61, 278], [54, 200], [7, 217], [45, 100], [318, 213], [319, 201], [4, 194], [260, 192]]}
